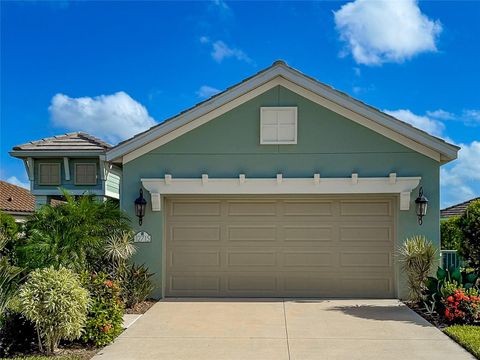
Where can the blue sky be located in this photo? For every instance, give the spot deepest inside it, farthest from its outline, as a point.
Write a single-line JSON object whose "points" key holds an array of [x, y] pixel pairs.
{"points": [[115, 68]]}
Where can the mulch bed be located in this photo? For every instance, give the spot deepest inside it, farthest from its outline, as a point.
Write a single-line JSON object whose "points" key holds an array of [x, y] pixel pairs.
{"points": [[141, 308], [434, 318]]}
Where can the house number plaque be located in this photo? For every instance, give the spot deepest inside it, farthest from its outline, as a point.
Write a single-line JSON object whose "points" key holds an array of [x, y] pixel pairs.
{"points": [[142, 237]]}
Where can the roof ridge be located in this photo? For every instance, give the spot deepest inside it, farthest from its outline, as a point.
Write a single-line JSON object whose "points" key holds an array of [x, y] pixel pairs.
{"points": [[462, 203]]}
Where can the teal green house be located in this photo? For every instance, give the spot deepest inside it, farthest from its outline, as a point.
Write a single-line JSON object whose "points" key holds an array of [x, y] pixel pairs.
{"points": [[279, 186]]}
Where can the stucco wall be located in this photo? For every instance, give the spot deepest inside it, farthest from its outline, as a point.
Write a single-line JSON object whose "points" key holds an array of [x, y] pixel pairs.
{"points": [[327, 143]]}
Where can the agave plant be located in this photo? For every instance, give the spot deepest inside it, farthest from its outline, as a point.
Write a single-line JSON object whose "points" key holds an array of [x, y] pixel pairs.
{"points": [[418, 256]]}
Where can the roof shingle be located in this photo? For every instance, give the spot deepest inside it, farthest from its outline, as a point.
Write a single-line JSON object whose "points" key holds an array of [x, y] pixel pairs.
{"points": [[14, 198], [75, 141], [456, 210]]}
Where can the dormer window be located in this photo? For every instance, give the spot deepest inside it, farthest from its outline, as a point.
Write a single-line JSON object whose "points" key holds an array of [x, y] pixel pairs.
{"points": [[85, 174], [49, 174], [278, 125]]}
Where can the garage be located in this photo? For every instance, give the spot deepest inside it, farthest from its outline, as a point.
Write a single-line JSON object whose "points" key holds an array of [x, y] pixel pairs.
{"points": [[280, 246]]}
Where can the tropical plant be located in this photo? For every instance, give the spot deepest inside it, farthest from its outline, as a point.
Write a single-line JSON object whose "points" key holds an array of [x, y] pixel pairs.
{"points": [[56, 303], [450, 233], [118, 248], [17, 335], [136, 284], [446, 281], [470, 226], [9, 275], [71, 234], [418, 256], [105, 315]]}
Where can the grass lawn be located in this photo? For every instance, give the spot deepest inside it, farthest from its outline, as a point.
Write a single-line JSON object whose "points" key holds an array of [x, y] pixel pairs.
{"points": [[467, 336], [40, 357]]}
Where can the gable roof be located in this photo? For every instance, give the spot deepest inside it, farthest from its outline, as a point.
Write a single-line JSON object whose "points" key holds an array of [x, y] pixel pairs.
{"points": [[456, 210], [71, 142], [15, 199], [279, 73]]}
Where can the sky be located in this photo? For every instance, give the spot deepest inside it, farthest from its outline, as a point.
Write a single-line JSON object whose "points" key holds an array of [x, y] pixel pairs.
{"points": [[114, 69]]}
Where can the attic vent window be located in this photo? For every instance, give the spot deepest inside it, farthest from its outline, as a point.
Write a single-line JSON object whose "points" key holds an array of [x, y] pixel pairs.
{"points": [[49, 174], [85, 174], [278, 125]]}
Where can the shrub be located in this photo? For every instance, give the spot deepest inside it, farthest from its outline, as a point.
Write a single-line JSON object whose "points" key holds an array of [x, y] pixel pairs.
{"points": [[71, 234], [450, 233], [104, 319], [444, 284], [461, 306], [470, 226], [136, 284], [56, 303], [417, 256], [118, 248]]}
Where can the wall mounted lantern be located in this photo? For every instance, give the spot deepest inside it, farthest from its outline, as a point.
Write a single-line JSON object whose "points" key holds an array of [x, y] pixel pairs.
{"points": [[140, 205], [421, 203]]}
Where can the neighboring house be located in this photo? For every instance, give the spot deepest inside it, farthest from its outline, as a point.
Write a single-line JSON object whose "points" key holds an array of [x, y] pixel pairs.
{"points": [[16, 201], [74, 161], [280, 186], [456, 210]]}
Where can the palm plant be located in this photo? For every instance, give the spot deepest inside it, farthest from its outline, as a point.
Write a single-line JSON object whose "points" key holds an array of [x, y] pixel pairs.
{"points": [[71, 234], [418, 256], [118, 248]]}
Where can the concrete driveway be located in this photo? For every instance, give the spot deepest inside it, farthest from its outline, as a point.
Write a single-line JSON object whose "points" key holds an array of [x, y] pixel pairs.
{"points": [[281, 329]]}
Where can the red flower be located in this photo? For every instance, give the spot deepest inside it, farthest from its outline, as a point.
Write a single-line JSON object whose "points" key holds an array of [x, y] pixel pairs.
{"points": [[108, 283]]}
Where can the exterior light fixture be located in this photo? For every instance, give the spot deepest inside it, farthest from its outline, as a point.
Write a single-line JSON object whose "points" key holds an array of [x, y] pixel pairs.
{"points": [[140, 205], [421, 203]]}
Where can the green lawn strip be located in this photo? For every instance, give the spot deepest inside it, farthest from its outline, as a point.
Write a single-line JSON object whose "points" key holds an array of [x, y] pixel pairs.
{"points": [[41, 357], [466, 335]]}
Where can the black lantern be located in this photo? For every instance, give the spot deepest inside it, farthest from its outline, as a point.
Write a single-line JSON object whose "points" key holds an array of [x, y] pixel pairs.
{"points": [[140, 205], [421, 203]]}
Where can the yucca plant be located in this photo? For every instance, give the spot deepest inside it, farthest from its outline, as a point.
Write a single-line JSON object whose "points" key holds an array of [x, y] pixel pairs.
{"points": [[118, 248], [417, 256]]}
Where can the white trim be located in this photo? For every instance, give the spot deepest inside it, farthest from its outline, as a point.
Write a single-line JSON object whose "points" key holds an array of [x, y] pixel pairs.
{"points": [[293, 110], [66, 168], [280, 185], [71, 192], [280, 74], [28, 162], [112, 194]]}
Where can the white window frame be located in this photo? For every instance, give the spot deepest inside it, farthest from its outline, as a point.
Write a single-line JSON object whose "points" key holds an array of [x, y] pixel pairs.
{"points": [[85, 183], [40, 174], [279, 108]]}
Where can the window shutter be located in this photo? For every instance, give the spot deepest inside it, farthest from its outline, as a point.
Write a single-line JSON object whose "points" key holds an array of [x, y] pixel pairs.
{"points": [[85, 174], [49, 174]]}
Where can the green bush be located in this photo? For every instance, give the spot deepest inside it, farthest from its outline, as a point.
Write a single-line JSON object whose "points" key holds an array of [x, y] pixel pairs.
{"points": [[17, 335], [444, 284], [417, 255], [71, 234], [105, 314], [136, 284], [450, 233], [56, 303], [470, 226]]}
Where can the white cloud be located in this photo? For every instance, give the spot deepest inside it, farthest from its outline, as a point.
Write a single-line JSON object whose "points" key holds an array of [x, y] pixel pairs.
{"points": [[441, 114], [221, 51], [460, 180], [471, 117], [377, 32], [206, 91], [16, 181], [112, 117], [431, 126]]}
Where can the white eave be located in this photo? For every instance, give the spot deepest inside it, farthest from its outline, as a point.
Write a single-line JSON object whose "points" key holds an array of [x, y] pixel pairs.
{"points": [[281, 74]]}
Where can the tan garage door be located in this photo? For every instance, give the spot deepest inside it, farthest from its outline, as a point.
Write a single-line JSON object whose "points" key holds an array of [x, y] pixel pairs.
{"points": [[285, 247]]}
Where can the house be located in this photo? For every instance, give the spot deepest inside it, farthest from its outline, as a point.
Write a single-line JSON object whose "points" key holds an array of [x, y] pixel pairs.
{"points": [[16, 201], [280, 186], [457, 209], [74, 161]]}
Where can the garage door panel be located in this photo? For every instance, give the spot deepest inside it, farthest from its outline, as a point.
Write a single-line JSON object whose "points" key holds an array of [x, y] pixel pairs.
{"points": [[250, 232], [194, 208], [251, 208], [361, 232], [307, 232], [310, 247], [194, 233], [250, 258], [310, 258], [307, 208]]}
